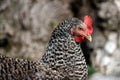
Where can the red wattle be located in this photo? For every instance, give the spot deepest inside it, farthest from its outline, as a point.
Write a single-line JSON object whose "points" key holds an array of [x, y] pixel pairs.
{"points": [[79, 39]]}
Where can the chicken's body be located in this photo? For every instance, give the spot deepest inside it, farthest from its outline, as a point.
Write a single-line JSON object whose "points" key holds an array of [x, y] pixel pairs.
{"points": [[64, 54], [63, 59], [21, 69]]}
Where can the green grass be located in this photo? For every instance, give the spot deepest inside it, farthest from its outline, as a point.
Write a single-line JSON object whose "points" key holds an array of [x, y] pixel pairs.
{"points": [[91, 70]]}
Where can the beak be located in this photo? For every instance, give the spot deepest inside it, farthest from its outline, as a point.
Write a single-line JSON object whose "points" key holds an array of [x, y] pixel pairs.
{"points": [[89, 38]]}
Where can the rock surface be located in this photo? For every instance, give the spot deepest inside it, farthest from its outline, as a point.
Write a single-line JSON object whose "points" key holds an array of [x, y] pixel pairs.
{"points": [[106, 55], [99, 76], [25, 31]]}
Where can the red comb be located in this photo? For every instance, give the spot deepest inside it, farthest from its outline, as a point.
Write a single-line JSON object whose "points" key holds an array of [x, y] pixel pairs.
{"points": [[88, 22]]}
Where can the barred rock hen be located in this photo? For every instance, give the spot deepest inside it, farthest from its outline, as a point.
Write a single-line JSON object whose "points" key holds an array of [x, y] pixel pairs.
{"points": [[63, 59]]}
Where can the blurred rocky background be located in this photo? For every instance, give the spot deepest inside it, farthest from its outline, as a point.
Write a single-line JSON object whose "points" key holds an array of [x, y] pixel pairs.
{"points": [[26, 25]]}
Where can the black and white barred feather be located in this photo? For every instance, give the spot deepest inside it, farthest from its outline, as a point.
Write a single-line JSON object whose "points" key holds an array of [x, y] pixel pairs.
{"points": [[64, 54]]}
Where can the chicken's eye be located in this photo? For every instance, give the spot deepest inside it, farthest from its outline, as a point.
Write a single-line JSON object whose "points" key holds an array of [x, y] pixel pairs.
{"points": [[79, 28]]}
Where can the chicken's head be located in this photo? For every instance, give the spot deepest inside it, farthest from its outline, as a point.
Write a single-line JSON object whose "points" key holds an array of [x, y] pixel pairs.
{"points": [[83, 30]]}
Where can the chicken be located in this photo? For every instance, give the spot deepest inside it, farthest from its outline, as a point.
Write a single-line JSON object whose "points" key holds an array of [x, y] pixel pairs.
{"points": [[21, 69], [63, 59]]}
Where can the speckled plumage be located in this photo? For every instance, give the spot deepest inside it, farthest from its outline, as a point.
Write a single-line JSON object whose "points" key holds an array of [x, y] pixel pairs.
{"points": [[63, 59], [64, 54], [21, 69]]}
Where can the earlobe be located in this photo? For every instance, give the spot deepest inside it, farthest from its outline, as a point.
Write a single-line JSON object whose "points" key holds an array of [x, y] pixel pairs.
{"points": [[72, 31]]}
